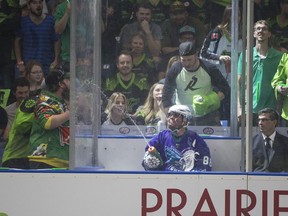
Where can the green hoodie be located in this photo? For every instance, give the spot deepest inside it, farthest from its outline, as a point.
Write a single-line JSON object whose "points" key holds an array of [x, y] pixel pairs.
{"points": [[281, 79]]}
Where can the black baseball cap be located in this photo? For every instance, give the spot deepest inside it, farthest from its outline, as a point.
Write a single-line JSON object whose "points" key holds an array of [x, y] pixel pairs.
{"points": [[187, 48], [55, 76], [177, 7]]}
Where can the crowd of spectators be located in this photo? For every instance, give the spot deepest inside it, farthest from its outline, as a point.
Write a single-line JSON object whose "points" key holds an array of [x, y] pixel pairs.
{"points": [[157, 28], [39, 31]]}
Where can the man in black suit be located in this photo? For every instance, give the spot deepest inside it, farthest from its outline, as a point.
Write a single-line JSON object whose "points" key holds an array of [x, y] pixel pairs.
{"points": [[270, 149]]}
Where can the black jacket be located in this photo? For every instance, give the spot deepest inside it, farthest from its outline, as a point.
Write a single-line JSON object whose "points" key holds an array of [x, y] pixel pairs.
{"points": [[278, 156]]}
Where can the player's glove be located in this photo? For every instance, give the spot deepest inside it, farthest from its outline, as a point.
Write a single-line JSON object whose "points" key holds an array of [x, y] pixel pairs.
{"points": [[152, 159]]}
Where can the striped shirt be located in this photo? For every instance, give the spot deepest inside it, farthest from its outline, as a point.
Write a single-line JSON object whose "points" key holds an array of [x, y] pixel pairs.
{"points": [[38, 40]]}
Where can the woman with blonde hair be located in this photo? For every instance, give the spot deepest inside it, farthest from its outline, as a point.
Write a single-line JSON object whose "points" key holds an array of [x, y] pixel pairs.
{"points": [[116, 113], [153, 111]]}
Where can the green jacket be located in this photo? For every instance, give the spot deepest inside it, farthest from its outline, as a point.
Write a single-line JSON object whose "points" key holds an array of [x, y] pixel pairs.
{"points": [[18, 144], [281, 79]]}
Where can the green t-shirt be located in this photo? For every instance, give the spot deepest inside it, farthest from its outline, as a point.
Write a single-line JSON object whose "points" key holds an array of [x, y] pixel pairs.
{"points": [[65, 36], [263, 72]]}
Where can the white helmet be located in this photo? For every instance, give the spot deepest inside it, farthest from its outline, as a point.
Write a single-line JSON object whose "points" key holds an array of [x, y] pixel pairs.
{"points": [[182, 110]]}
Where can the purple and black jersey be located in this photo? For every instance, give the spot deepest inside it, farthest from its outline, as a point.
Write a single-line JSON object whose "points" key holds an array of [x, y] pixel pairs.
{"points": [[188, 153]]}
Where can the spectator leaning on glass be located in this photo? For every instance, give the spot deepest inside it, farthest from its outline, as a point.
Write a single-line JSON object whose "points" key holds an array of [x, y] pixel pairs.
{"points": [[202, 88], [177, 148], [49, 140]]}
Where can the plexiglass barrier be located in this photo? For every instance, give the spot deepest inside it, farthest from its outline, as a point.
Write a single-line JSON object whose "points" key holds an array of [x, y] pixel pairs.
{"points": [[88, 72]]}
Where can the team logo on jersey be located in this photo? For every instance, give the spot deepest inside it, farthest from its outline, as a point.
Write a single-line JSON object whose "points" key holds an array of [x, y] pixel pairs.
{"points": [[191, 84], [180, 161], [208, 130], [28, 105], [124, 130], [40, 150]]}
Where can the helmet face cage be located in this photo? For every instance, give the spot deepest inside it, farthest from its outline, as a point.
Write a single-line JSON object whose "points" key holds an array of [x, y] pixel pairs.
{"points": [[182, 110]]}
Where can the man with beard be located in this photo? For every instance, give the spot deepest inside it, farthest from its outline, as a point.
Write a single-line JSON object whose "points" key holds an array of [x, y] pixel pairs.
{"points": [[265, 62], [36, 39], [177, 148], [270, 149], [49, 139], [198, 85]]}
